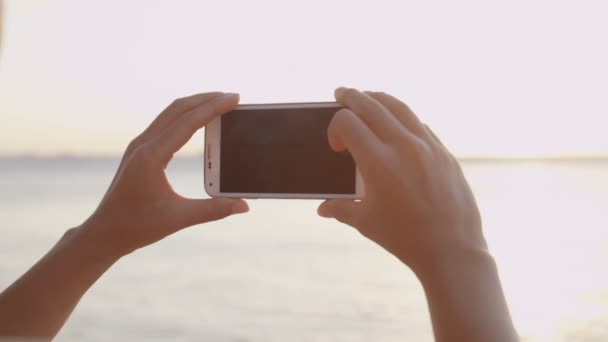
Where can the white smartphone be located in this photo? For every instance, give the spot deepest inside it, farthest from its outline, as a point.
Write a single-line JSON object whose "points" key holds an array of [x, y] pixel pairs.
{"points": [[278, 151]]}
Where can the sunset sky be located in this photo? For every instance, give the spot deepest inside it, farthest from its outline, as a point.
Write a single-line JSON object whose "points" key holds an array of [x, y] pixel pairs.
{"points": [[517, 78]]}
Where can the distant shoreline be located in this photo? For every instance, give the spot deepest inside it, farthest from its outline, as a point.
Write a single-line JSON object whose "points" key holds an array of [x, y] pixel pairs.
{"points": [[465, 159], [565, 159]]}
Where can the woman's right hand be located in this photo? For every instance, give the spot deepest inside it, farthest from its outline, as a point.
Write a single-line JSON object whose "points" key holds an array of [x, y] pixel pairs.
{"points": [[417, 205]]}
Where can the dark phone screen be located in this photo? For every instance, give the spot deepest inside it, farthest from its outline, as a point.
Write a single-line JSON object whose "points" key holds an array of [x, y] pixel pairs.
{"points": [[282, 151]]}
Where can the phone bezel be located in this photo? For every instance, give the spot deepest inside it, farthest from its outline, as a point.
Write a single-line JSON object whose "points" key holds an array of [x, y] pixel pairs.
{"points": [[212, 158]]}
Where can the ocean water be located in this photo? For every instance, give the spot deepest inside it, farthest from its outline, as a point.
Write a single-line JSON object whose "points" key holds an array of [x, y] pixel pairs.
{"points": [[280, 273]]}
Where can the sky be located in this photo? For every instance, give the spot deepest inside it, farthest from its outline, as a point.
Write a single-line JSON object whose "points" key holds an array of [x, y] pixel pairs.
{"points": [[516, 78]]}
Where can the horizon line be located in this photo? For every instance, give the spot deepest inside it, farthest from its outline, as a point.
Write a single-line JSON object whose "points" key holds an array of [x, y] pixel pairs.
{"points": [[464, 157]]}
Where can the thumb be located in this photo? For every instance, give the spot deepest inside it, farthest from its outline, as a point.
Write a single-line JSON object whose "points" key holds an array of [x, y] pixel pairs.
{"points": [[197, 211], [345, 211]]}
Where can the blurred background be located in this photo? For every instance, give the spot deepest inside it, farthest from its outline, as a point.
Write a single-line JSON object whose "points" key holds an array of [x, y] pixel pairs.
{"points": [[517, 90]]}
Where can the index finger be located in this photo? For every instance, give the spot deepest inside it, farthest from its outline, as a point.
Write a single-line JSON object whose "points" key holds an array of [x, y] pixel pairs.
{"points": [[178, 133], [373, 113], [402, 112], [175, 110]]}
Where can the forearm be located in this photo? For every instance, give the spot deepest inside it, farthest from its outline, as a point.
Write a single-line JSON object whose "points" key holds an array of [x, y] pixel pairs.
{"points": [[466, 300], [38, 303]]}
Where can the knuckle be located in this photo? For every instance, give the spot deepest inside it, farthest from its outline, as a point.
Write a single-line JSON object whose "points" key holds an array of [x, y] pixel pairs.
{"points": [[420, 147], [407, 142], [421, 144], [218, 212], [404, 106], [144, 155], [382, 95], [70, 232], [371, 105], [134, 144], [179, 103]]}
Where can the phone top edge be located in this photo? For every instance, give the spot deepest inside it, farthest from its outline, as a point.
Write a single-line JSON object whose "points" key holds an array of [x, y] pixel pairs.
{"points": [[289, 196], [288, 105]]}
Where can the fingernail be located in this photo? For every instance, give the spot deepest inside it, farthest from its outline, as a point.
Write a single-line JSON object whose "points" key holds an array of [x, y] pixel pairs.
{"points": [[323, 212], [231, 94], [240, 207]]}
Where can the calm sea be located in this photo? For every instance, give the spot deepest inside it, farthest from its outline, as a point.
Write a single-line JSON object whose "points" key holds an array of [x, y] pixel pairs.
{"points": [[280, 273]]}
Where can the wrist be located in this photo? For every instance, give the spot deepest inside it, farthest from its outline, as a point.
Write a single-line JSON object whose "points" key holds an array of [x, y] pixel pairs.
{"points": [[453, 260], [457, 268], [465, 297], [92, 243]]}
